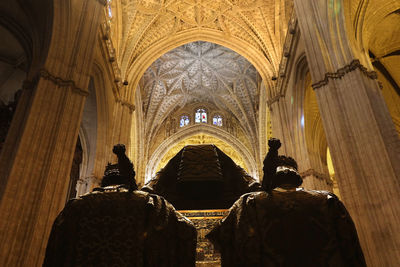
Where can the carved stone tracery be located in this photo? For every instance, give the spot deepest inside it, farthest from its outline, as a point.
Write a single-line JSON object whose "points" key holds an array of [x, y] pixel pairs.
{"points": [[200, 74], [259, 24]]}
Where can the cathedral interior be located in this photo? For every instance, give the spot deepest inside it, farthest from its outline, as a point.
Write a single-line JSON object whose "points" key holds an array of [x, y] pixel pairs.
{"points": [[77, 77]]}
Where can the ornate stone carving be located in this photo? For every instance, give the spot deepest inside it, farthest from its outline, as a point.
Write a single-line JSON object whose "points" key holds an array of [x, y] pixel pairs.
{"points": [[355, 64], [146, 22], [200, 72], [130, 106], [204, 221], [111, 53]]}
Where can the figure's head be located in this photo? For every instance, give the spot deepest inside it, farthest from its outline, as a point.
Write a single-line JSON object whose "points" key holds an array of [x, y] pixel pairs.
{"points": [[279, 171], [112, 176], [286, 175]]}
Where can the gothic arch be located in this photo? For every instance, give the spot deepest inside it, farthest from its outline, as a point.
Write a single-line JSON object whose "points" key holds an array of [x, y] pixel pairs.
{"points": [[136, 71], [206, 129], [361, 19], [375, 28]]}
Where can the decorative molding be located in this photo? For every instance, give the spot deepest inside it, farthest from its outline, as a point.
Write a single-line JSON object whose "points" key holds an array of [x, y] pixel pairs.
{"points": [[45, 74], [130, 106], [355, 64], [289, 47], [274, 99], [111, 53], [316, 174]]}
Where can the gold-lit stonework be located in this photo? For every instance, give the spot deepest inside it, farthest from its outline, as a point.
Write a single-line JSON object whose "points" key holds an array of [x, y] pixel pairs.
{"points": [[204, 221]]}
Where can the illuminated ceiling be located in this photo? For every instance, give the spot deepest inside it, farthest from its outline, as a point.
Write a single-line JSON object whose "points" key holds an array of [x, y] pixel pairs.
{"points": [[200, 72], [257, 26], [182, 52]]}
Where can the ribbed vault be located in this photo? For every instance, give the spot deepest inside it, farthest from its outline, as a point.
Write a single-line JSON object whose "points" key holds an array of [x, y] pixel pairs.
{"points": [[200, 72]]}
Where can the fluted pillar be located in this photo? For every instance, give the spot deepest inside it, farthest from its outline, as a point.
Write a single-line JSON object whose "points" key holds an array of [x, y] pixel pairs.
{"points": [[123, 110], [36, 160], [279, 120], [315, 180], [86, 184], [362, 139]]}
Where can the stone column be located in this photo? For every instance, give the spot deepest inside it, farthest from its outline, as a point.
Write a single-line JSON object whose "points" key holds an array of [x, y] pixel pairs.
{"points": [[123, 110], [86, 184], [364, 144], [315, 180], [278, 113], [36, 160]]}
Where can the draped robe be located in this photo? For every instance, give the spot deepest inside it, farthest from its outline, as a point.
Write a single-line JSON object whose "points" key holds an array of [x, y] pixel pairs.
{"points": [[293, 228], [121, 228]]}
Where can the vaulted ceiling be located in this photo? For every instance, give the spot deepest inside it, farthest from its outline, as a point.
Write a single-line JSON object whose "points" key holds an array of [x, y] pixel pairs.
{"points": [[259, 25], [180, 52], [200, 72]]}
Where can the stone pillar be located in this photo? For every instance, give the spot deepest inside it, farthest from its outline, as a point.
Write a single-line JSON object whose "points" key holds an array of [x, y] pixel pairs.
{"points": [[278, 113], [86, 185], [123, 110], [364, 144], [315, 180], [36, 160]]}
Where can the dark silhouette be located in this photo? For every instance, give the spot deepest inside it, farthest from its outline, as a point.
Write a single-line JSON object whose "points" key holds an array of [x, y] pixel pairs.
{"points": [[285, 225], [117, 225]]}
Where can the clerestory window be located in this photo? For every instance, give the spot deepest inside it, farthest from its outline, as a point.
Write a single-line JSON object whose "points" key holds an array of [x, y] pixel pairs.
{"points": [[217, 120], [201, 116], [184, 121]]}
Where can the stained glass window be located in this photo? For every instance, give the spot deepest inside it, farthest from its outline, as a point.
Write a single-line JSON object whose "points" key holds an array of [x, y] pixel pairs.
{"points": [[109, 8], [201, 116], [217, 120], [184, 121]]}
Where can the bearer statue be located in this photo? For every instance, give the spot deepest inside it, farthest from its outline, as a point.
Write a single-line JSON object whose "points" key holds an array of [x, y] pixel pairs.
{"points": [[118, 225], [286, 225]]}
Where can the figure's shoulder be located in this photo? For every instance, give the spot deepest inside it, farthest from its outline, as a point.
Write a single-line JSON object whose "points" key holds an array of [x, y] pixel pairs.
{"points": [[319, 193], [319, 196], [108, 199], [250, 198]]}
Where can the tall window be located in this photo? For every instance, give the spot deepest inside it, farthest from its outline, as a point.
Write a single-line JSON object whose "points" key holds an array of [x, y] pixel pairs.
{"points": [[217, 120], [184, 120], [201, 116]]}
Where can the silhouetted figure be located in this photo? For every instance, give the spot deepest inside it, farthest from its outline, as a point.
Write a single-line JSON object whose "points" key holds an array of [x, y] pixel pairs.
{"points": [[117, 225], [285, 225]]}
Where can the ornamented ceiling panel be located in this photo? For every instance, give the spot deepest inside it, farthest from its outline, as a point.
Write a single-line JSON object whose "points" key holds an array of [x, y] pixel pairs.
{"points": [[261, 24], [200, 72]]}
